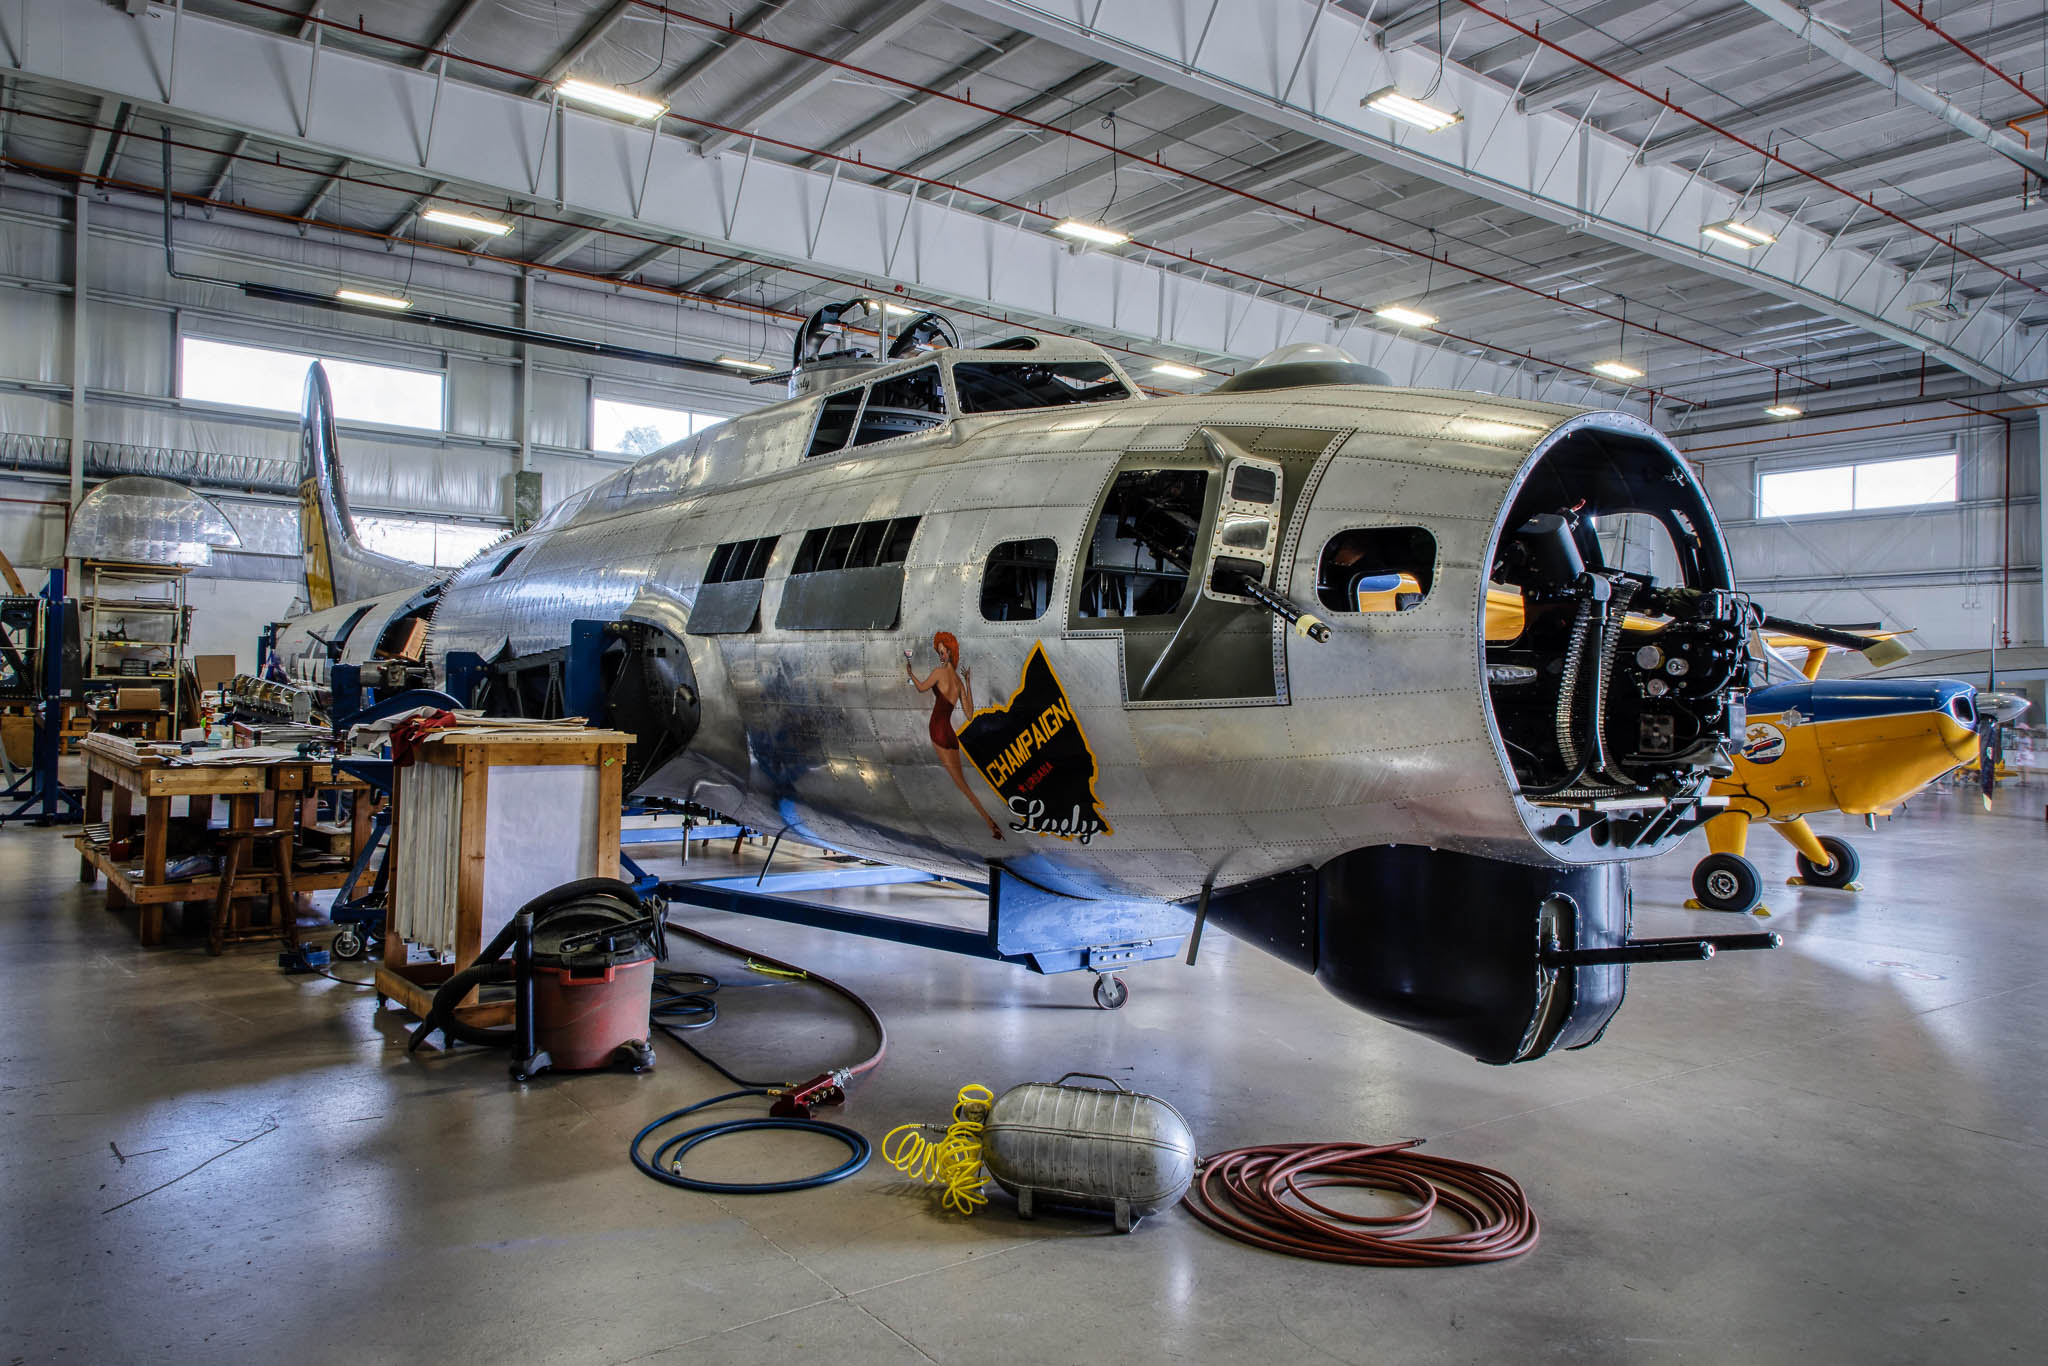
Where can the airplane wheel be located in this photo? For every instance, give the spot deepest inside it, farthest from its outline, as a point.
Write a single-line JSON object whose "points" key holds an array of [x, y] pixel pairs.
{"points": [[1727, 882], [1110, 991], [1840, 873]]}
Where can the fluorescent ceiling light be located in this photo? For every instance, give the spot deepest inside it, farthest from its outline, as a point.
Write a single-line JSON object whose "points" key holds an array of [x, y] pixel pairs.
{"points": [[742, 363], [1396, 105], [468, 222], [1743, 235], [364, 296], [1943, 309], [610, 99], [1490, 429], [1614, 369], [1090, 232], [1407, 317], [1784, 410], [898, 309], [1167, 367]]}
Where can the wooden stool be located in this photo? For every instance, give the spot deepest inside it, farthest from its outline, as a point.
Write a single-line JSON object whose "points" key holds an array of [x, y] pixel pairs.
{"points": [[284, 900]]}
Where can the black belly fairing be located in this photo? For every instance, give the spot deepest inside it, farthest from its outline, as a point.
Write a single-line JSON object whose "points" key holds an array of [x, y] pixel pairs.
{"points": [[1473, 952]]}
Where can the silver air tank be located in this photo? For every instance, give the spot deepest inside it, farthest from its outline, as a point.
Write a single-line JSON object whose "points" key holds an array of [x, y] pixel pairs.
{"points": [[1120, 1151]]}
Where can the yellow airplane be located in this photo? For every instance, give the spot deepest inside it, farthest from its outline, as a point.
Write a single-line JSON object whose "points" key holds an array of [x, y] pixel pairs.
{"points": [[1858, 746]]}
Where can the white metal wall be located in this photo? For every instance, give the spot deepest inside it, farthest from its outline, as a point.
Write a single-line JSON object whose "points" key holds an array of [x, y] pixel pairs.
{"points": [[135, 313], [1937, 569]]}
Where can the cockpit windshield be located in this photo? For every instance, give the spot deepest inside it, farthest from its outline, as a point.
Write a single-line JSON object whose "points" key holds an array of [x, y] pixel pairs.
{"points": [[1006, 386]]}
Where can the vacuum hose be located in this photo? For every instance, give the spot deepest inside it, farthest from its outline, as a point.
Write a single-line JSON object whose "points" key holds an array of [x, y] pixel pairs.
{"points": [[488, 966]]}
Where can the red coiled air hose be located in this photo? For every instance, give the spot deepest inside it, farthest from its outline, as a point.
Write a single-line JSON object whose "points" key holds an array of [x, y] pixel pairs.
{"points": [[1260, 1196]]}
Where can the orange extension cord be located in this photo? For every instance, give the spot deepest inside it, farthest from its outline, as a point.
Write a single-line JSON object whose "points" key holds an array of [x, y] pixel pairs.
{"points": [[1261, 1196]]}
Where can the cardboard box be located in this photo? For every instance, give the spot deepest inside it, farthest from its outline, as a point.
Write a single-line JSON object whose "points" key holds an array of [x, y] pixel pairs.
{"points": [[404, 642], [138, 699], [213, 670], [18, 735]]}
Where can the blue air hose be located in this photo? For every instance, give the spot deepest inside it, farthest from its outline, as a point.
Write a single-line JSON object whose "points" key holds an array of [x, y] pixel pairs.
{"points": [[664, 1163]]}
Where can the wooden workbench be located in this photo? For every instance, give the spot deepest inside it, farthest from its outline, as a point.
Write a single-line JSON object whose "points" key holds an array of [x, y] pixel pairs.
{"points": [[123, 770], [474, 756]]}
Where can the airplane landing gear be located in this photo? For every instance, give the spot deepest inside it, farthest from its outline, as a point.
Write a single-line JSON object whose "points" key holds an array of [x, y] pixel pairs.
{"points": [[1842, 871], [1727, 882]]}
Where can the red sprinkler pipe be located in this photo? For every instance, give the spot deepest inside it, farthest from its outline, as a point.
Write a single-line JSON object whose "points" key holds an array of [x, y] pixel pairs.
{"points": [[1666, 102], [1918, 16], [865, 286], [1191, 177], [1865, 427]]}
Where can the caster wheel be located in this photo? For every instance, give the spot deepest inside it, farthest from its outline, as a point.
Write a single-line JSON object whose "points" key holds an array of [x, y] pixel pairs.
{"points": [[347, 944], [1840, 873], [1110, 991], [1727, 882]]}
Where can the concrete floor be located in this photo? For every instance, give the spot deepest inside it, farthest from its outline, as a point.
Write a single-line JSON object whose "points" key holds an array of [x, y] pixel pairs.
{"points": [[1832, 1153]]}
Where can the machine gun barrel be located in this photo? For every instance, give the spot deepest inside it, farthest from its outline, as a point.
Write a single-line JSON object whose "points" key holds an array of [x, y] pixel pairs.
{"points": [[1307, 623]]}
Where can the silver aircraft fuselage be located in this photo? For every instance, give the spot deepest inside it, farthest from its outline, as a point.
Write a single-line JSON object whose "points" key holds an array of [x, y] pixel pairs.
{"points": [[1385, 734]]}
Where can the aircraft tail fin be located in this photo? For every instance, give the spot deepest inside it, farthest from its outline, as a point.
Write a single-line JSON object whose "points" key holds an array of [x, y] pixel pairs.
{"points": [[338, 566]]}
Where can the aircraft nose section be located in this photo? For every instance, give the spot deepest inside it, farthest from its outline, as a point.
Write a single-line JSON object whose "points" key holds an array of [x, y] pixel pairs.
{"points": [[2002, 707]]}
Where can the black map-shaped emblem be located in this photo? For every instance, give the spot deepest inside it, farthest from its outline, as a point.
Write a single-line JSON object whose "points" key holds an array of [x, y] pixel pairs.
{"points": [[1034, 754]]}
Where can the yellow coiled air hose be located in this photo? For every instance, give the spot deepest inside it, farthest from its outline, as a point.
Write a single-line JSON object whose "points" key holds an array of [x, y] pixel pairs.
{"points": [[954, 1162]]}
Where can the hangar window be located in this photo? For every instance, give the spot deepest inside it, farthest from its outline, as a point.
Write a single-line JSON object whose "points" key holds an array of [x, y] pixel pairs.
{"points": [[1004, 386], [1144, 542], [729, 600], [1869, 486], [847, 577], [636, 429], [445, 545], [262, 377], [1376, 569], [1016, 584]]}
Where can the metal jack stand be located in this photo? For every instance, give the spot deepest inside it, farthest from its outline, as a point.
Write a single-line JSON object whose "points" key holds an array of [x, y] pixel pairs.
{"points": [[38, 788], [1028, 925]]}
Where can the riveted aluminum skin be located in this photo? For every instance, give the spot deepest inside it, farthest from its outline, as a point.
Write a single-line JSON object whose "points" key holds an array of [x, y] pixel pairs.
{"points": [[1383, 735], [1122, 1152]]}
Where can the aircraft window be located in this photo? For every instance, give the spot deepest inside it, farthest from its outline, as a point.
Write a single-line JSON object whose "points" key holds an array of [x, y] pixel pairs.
{"points": [[1004, 386], [738, 561], [896, 548], [505, 561], [1016, 584], [847, 578], [729, 599], [1376, 569], [838, 541], [1143, 544], [856, 545], [1255, 484], [897, 407], [835, 422]]}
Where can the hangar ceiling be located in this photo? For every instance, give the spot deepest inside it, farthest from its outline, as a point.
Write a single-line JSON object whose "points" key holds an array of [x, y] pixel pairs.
{"points": [[815, 148]]}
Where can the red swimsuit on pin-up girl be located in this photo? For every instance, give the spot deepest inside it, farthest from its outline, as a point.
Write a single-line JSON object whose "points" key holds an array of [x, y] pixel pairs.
{"points": [[950, 686]]}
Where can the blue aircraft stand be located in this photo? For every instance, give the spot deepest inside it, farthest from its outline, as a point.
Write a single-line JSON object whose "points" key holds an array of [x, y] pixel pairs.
{"points": [[38, 788], [1028, 925]]}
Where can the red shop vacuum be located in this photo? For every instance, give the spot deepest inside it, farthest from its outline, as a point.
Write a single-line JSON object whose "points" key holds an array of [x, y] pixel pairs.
{"points": [[581, 964]]}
